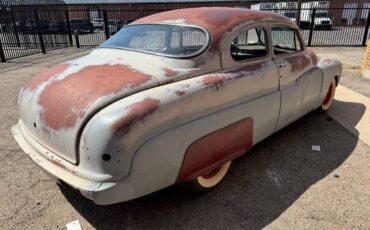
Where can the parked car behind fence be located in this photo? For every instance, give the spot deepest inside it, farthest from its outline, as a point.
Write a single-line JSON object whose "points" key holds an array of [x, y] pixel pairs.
{"points": [[81, 26], [98, 23]]}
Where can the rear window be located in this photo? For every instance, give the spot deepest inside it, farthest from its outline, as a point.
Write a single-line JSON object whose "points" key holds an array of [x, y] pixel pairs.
{"points": [[167, 40]]}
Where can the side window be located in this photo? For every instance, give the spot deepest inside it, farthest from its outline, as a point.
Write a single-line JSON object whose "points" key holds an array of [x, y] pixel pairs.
{"points": [[285, 40], [249, 44]]}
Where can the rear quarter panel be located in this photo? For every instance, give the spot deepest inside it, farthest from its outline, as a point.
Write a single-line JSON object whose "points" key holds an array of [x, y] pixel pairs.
{"points": [[147, 134]]}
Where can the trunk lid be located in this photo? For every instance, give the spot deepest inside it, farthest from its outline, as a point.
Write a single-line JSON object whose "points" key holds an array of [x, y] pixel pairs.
{"points": [[55, 104]]}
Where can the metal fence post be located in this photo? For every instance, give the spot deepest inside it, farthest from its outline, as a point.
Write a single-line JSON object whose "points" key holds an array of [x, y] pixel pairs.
{"points": [[77, 39], [2, 54], [106, 26], [312, 27], [15, 30], [39, 32], [298, 14], [364, 39], [69, 30]]}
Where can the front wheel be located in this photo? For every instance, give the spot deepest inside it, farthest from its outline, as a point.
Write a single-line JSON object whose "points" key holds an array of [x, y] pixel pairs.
{"points": [[208, 181], [328, 100]]}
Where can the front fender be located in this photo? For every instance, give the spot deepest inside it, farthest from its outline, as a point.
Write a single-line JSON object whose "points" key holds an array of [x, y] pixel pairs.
{"points": [[332, 69]]}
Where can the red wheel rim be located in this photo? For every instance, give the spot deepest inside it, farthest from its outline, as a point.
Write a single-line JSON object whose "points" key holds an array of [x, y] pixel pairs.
{"points": [[212, 173], [328, 95]]}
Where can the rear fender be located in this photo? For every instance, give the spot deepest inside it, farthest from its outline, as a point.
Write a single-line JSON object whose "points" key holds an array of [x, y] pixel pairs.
{"points": [[126, 127]]}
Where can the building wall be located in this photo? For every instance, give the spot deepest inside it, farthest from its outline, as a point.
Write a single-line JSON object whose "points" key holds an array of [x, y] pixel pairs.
{"points": [[124, 11], [138, 10]]}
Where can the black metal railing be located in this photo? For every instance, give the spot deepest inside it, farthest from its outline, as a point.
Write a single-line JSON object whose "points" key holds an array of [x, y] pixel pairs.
{"points": [[30, 32], [34, 31], [331, 26]]}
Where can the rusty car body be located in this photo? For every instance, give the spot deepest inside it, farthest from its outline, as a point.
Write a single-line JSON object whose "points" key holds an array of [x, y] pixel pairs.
{"points": [[169, 98]]}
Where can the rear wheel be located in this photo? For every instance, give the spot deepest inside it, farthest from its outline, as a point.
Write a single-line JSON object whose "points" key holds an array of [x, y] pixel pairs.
{"points": [[328, 100], [208, 181]]}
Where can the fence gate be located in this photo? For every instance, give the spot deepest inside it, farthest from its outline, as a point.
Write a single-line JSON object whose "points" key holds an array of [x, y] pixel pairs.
{"points": [[24, 33], [323, 23]]}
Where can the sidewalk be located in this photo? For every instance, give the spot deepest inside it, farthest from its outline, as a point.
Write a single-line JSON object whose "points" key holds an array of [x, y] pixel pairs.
{"points": [[352, 98], [351, 58], [49, 59], [351, 110]]}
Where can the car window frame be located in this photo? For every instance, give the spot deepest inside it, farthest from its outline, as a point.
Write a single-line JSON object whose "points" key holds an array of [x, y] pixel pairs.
{"points": [[198, 53], [227, 62], [267, 41], [298, 33]]}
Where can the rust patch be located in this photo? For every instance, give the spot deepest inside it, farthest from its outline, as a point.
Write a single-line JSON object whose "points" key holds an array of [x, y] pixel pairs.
{"points": [[46, 75], [168, 72], [313, 56], [66, 100], [212, 79], [299, 64], [216, 148], [135, 112], [179, 92], [57, 163], [218, 78], [249, 68]]}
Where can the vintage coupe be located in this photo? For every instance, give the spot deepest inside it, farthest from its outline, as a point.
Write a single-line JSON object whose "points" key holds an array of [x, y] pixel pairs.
{"points": [[172, 98]]}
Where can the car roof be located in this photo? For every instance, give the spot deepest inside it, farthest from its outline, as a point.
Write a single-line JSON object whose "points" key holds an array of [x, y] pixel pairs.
{"points": [[217, 20]]}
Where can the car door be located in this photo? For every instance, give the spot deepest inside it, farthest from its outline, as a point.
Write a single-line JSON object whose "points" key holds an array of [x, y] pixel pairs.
{"points": [[246, 53], [300, 80]]}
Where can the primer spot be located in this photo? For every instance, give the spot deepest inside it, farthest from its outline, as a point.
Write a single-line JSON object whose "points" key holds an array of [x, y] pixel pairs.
{"points": [[77, 92], [135, 112], [170, 72]]}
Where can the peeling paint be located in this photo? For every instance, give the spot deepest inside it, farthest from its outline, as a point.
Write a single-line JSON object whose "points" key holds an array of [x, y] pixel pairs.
{"points": [[132, 113], [313, 56], [179, 92], [45, 75], [298, 64], [220, 77], [170, 72], [66, 100], [212, 79], [57, 163]]}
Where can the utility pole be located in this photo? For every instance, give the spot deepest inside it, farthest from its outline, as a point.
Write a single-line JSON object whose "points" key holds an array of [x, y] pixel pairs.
{"points": [[299, 9]]}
